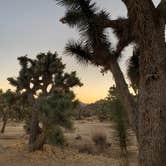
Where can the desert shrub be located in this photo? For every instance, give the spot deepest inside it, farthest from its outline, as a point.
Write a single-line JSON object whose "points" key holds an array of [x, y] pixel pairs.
{"points": [[86, 148], [100, 140], [118, 115], [103, 115], [56, 113], [78, 137], [121, 124], [56, 137]]}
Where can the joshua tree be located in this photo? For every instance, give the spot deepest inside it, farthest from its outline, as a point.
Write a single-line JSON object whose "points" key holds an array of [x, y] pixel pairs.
{"points": [[7, 105], [144, 26], [38, 80]]}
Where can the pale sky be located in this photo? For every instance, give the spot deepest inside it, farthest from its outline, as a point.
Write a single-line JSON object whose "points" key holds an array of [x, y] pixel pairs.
{"points": [[32, 26]]}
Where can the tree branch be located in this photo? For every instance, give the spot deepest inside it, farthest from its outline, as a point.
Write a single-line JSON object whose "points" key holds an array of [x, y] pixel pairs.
{"points": [[123, 30], [115, 23], [125, 96]]}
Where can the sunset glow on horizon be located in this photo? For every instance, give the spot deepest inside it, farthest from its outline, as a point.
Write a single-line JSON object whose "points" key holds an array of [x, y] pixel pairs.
{"points": [[90, 92]]}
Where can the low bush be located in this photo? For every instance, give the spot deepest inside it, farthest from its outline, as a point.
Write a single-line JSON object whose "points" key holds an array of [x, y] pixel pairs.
{"points": [[86, 148], [56, 137], [100, 140], [78, 137]]}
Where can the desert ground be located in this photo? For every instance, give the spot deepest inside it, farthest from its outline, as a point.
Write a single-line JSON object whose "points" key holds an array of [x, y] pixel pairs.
{"points": [[14, 152]]}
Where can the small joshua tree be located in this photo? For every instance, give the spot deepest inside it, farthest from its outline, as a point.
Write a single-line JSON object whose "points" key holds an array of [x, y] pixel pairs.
{"points": [[39, 81]]}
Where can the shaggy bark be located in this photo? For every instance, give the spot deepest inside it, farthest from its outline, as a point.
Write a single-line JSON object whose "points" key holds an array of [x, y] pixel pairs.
{"points": [[37, 135], [152, 105], [34, 125], [40, 141]]}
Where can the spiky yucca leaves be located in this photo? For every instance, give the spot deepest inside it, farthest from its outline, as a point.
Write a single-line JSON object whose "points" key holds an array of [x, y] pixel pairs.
{"points": [[23, 81], [84, 53], [56, 112], [47, 70], [92, 24], [121, 123], [94, 41], [56, 109], [133, 69], [119, 116]]}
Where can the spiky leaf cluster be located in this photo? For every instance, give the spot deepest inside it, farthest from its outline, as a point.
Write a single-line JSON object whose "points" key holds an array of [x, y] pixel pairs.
{"points": [[133, 69], [45, 73], [56, 109], [119, 116], [94, 44]]}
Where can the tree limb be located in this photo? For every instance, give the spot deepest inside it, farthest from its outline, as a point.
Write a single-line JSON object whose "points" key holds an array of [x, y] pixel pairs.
{"points": [[115, 23], [123, 30], [125, 96]]}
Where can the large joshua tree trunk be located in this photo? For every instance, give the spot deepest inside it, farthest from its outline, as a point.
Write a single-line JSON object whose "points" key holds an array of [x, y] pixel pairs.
{"points": [[152, 95], [37, 135], [34, 131], [34, 125], [149, 29]]}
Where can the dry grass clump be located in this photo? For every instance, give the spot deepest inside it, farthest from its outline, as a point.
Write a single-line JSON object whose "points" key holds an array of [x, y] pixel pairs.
{"points": [[78, 137], [100, 140], [86, 148], [100, 144]]}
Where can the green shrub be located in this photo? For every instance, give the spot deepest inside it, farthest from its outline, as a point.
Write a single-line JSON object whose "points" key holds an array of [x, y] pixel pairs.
{"points": [[100, 140], [56, 137]]}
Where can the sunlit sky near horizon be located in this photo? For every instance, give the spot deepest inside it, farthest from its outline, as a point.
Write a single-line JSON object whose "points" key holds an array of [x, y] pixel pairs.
{"points": [[32, 26]]}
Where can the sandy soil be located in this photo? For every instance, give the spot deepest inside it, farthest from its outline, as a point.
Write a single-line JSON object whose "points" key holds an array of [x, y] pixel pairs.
{"points": [[13, 150]]}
